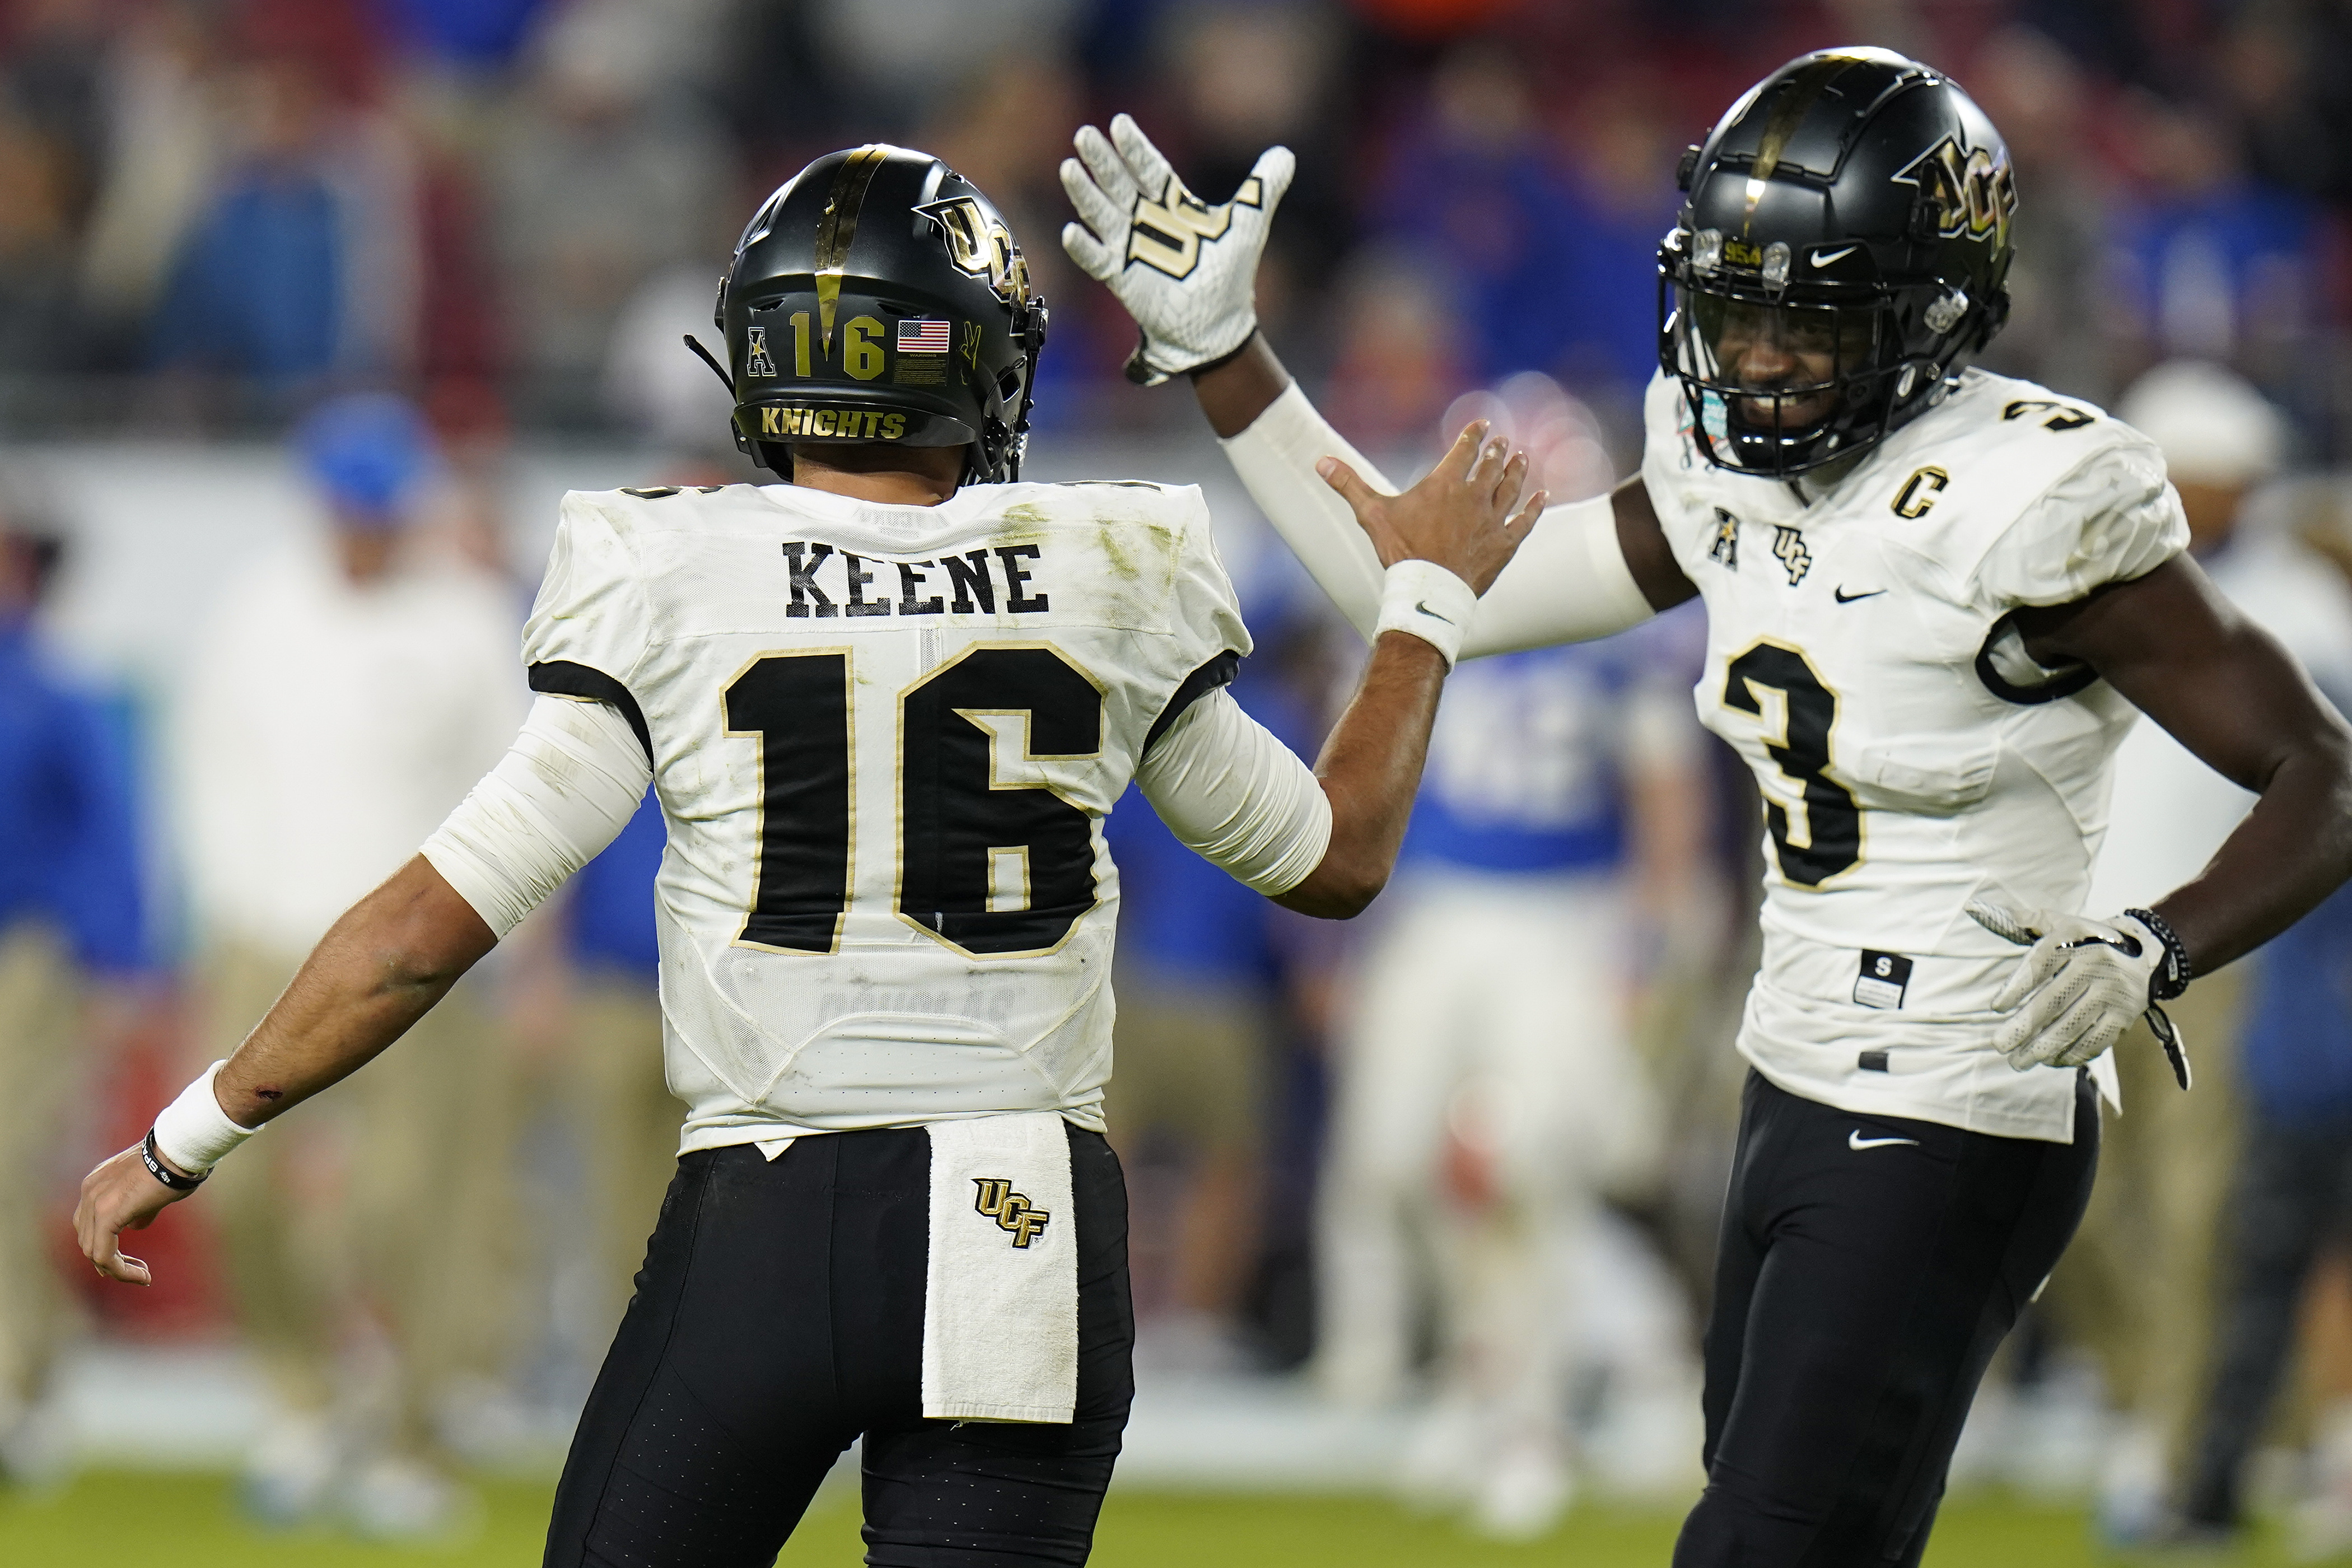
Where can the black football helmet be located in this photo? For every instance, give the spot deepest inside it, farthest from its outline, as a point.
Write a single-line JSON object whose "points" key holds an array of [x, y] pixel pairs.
{"points": [[1842, 249], [878, 296]]}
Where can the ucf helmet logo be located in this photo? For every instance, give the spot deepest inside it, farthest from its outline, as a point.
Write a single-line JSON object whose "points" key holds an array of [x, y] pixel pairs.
{"points": [[1969, 192], [980, 246]]}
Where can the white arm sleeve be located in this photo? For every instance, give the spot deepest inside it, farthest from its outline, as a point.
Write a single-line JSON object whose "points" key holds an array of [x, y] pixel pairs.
{"points": [[1237, 796], [563, 790], [1568, 582]]}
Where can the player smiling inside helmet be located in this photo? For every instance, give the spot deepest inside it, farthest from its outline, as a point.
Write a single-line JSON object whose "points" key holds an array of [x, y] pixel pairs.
{"points": [[1783, 359], [1935, 597]]}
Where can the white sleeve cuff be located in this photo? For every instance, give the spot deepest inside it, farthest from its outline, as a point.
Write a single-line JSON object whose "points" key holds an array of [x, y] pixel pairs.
{"points": [[565, 789], [1237, 796], [1425, 600]]}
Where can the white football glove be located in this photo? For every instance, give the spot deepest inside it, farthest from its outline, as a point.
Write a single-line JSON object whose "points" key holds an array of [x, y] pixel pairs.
{"points": [[1185, 270], [2078, 989]]}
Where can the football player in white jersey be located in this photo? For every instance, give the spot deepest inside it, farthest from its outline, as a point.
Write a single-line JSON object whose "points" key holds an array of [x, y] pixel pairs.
{"points": [[884, 707], [1935, 598]]}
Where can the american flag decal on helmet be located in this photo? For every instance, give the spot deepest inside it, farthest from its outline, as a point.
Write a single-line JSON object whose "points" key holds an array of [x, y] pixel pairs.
{"points": [[923, 336]]}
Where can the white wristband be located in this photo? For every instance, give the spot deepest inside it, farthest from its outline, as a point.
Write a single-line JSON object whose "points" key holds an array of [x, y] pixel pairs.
{"points": [[1426, 600], [193, 1132]]}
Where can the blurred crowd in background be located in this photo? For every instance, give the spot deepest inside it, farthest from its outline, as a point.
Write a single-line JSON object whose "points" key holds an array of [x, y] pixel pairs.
{"points": [[401, 269]]}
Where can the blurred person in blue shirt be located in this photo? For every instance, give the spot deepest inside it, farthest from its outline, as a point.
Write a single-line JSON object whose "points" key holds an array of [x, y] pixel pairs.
{"points": [[71, 920], [1477, 184], [1620, 189], [2213, 264], [1199, 1006], [2136, 1287], [1487, 1089], [305, 257], [2290, 1200]]}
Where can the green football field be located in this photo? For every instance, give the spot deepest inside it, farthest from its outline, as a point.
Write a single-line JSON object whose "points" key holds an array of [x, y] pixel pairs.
{"points": [[108, 1518]]}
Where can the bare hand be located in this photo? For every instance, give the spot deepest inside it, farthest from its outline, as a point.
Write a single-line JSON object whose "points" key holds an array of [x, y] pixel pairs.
{"points": [[120, 1195], [1458, 516]]}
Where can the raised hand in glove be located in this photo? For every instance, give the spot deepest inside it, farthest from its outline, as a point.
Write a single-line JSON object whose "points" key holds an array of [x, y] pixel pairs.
{"points": [[2078, 988], [1185, 270]]}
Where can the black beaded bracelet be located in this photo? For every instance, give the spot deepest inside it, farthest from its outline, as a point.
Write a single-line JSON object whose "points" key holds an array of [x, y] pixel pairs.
{"points": [[2172, 976], [162, 1173]]}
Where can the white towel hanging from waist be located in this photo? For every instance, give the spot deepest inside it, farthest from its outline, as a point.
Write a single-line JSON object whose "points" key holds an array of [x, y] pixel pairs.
{"points": [[1001, 1295]]}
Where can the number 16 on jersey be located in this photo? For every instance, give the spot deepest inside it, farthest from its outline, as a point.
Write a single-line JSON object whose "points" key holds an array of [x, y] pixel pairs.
{"points": [[996, 869]]}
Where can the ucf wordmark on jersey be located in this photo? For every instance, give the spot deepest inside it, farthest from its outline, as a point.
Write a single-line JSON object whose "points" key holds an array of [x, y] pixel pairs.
{"points": [[884, 738], [1911, 756]]}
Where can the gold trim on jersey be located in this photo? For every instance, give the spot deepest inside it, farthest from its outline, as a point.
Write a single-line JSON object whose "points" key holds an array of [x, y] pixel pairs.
{"points": [[760, 792], [898, 787], [1005, 894], [1829, 762]]}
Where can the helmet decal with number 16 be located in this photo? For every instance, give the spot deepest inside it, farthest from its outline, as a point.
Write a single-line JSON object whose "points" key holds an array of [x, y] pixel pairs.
{"points": [[878, 296]]}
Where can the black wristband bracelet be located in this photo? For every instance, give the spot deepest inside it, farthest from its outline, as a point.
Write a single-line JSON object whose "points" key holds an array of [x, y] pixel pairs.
{"points": [[2172, 976], [162, 1173]]}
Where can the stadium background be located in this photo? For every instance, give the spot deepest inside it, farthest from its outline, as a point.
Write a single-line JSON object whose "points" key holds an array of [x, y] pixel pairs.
{"points": [[214, 213]]}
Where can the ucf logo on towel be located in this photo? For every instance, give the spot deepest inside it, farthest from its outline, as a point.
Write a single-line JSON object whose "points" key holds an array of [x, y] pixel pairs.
{"points": [[1000, 1322], [1012, 1210]]}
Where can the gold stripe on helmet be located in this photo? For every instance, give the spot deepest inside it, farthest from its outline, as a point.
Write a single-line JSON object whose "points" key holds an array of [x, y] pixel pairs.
{"points": [[840, 227]]}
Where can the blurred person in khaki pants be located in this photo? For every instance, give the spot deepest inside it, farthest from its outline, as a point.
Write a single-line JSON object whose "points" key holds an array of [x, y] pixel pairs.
{"points": [[346, 694], [71, 949], [2136, 1287]]}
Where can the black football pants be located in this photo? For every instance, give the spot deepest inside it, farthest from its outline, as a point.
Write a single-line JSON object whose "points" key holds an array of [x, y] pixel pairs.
{"points": [[780, 1316], [1869, 1267]]}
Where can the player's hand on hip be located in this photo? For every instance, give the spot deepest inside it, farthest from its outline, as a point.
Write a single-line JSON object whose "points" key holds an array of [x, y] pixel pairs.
{"points": [[1465, 514], [120, 1195], [2079, 986], [1185, 270]]}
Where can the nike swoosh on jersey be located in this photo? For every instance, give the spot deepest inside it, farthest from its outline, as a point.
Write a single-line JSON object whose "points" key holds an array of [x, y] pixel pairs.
{"points": [[1856, 1141], [1421, 607], [1830, 258], [1842, 597]]}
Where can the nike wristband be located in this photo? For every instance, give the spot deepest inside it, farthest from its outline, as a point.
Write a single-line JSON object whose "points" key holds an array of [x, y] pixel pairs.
{"points": [[1424, 599], [194, 1133]]}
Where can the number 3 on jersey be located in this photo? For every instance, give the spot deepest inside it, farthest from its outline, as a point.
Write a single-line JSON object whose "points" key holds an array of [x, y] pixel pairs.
{"points": [[967, 845], [1833, 824]]}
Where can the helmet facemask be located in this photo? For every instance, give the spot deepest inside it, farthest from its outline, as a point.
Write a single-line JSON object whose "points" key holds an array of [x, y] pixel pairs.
{"points": [[1843, 252]]}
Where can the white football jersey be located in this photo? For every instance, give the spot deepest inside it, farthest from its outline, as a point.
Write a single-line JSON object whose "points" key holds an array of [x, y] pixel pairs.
{"points": [[1861, 657], [884, 738]]}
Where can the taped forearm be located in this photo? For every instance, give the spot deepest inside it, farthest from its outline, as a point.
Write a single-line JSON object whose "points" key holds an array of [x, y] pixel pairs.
{"points": [[562, 792], [1238, 797], [1568, 582]]}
